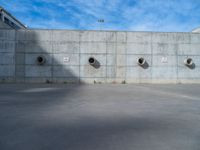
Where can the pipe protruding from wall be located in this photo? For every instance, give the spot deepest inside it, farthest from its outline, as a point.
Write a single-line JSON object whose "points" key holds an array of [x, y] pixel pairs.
{"points": [[141, 61], [188, 62], [41, 60], [92, 61]]}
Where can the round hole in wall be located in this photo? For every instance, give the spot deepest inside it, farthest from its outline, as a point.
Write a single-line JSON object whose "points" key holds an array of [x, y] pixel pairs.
{"points": [[91, 60], [188, 62], [141, 61], [40, 60]]}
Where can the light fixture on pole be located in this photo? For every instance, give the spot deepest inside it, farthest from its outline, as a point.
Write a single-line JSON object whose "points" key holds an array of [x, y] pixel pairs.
{"points": [[101, 21]]}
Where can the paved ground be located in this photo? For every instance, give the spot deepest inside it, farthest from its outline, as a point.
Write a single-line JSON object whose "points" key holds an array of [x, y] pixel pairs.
{"points": [[99, 117]]}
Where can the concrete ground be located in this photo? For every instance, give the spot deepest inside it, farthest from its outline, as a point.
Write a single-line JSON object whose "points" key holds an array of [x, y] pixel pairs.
{"points": [[99, 117]]}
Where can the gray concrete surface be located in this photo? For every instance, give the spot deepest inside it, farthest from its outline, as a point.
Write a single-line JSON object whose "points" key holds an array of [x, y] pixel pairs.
{"points": [[4, 26], [67, 52], [99, 117]]}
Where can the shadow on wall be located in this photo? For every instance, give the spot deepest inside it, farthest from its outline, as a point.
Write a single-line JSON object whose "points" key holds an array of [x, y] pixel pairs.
{"points": [[7, 55], [94, 62], [42, 57], [37, 60]]}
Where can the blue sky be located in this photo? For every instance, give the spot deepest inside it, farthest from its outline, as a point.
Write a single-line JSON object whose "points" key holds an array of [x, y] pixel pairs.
{"points": [[134, 15]]}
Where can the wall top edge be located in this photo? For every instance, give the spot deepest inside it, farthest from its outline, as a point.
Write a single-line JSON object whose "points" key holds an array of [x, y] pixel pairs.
{"points": [[102, 31]]}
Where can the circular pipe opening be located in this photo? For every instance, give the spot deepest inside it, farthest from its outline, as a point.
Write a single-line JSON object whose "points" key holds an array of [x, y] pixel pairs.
{"points": [[141, 61], [91, 61], [188, 62], [40, 60]]}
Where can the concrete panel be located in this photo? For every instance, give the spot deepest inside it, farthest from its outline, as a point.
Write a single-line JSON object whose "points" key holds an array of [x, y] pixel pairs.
{"points": [[163, 38], [164, 81], [20, 71], [63, 35], [66, 71], [184, 49], [110, 71], [111, 60], [138, 81], [38, 47], [164, 73], [92, 72], [189, 49], [194, 49], [101, 58], [21, 35], [93, 36], [111, 80], [111, 48], [38, 71], [4, 25], [93, 80], [37, 35], [196, 60], [165, 49], [66, 80], [187, 73], [176, 38], [7, 46], [20, 80], [182, 37], [122, 37], [7, 79], [31, 59], [138, 37], [132, 60], [38, 80], [116, 80], [121, 72], [164, 61], [66, 59], [121, 60], [7, 58], [138, 48], [7, 35], [65, 47], [20, 59], [188, 81], [195, 38], [92, 47], [20, 46], [7, 71], [138, 72], [121, 48], [111, 36]]}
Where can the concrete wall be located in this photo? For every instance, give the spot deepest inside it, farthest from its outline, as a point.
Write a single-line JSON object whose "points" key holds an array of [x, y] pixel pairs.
{"points": [[67, 54], [4, 26], [7, 55]]}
